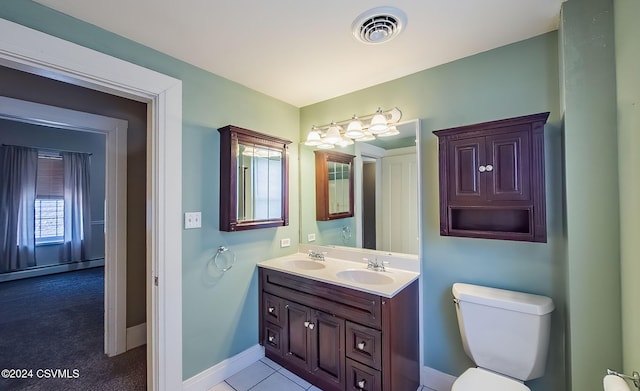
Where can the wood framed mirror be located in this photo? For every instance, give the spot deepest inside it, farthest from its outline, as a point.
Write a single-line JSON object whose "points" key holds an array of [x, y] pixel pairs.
{"points": [[254, 180], [334, 185]]}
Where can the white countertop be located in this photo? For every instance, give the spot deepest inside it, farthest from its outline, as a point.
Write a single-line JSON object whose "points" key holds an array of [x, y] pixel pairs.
{"points": [[327, 270]]}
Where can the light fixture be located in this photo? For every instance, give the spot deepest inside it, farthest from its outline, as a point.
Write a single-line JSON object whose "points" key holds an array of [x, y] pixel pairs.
{"points": [[367, 136], [391, 131], [354, 129], [365, 128], [333, 134], [378, 123], [313, 138]]}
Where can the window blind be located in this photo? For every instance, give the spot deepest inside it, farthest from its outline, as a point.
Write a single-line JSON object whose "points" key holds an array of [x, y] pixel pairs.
{"points": [[50, 181]]}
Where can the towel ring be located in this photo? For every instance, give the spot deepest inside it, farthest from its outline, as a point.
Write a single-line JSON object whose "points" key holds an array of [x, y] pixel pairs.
{"points": [[224, 259]]}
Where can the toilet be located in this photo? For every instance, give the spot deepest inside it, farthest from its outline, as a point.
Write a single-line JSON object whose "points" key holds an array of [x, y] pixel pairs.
{"points": [[505, 333]]}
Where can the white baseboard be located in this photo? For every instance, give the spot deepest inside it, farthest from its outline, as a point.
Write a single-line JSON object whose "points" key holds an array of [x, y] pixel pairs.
{"points": [[52, 269], [436, 380], [136, 336], [208, 378]]}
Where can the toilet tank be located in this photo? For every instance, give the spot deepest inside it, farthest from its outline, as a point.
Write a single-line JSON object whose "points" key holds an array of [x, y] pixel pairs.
{"points": [[504, 331]]}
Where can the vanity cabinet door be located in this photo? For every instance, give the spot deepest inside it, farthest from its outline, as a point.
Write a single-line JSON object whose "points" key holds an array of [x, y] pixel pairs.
{"points": [[296, 334], [327, 348]]}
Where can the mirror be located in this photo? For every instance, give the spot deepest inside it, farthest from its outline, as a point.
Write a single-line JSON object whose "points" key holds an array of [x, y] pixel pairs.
{"points": [[334, 185], [386, 196], [253, 180]]}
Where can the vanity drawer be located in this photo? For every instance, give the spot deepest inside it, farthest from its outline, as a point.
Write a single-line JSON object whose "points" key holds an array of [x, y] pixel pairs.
{"points": [[361, 307], [272, 309], [362, 378], [364, 344], [273, 338]]}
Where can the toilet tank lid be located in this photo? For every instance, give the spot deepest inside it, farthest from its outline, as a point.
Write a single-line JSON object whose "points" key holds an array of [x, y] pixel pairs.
{"points": [[500, 298]]}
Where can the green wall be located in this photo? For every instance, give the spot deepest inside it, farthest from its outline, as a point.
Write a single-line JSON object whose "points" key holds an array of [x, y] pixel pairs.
{"points": [[592, 207], [220, 315], [627, 47], [579, 266], [509, 81]]}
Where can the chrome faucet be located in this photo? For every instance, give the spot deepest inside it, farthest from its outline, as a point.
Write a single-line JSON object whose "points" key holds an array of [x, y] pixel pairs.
{"points": [[375, 265], [317, 255]]}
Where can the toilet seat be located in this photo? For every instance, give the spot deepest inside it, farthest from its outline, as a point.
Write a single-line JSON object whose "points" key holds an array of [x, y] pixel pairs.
{"points": [[481, 379]]}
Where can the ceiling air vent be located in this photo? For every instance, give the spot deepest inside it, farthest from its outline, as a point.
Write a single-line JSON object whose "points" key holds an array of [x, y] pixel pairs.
{"points": [[379, 25]]}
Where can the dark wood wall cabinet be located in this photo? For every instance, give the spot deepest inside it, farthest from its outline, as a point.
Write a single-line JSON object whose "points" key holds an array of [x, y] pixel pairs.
{"points": [[492, 181], [254, 180], [339, 338], [334, 185]]}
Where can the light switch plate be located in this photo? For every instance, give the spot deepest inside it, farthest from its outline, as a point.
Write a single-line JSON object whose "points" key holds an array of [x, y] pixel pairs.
{"points": [[285, 242], [311, 237], [192, 220]]}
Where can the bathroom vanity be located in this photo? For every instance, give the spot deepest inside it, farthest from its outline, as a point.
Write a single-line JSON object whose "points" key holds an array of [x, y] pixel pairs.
{"points": [[357, 332]]}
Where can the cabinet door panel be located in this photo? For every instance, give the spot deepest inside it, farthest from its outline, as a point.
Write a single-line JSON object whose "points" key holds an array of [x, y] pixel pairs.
{"points": [[327, 341], [466, 156], [296, 334], [508, 154]]}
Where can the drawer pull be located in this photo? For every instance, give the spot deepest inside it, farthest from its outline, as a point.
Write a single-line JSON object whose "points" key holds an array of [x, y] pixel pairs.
{"points": [[362, 383], [271, 309], [361, 345]]}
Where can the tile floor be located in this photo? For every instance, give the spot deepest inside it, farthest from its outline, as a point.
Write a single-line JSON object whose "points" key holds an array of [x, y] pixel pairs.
{"points": [[266, 375]]}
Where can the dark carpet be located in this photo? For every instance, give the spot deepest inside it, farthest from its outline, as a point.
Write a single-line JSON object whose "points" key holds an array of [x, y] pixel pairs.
{"points": [[54, 326]]}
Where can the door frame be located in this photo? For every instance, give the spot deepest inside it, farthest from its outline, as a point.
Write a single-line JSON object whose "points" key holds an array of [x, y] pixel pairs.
{"points": [[115, 213], [35, 52]]}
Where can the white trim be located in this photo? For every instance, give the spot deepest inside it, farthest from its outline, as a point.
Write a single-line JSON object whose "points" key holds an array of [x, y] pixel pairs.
{"points": [[210, 377], [136, 336], [115, 132], [436, 380], [32, 51]]}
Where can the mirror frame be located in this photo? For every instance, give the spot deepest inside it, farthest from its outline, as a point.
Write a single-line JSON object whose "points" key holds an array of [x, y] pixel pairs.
{"points": [[323, 158], [230, 137]]}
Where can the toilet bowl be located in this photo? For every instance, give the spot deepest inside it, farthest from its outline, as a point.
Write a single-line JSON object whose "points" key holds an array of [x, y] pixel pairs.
{"points": [[481, 379], [505, 333]]}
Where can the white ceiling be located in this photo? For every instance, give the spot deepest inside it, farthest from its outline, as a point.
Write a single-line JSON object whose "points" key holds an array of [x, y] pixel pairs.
{"points": [[302, 51]]}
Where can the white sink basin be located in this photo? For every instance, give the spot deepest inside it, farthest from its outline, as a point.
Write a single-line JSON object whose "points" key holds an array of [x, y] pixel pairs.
{"points": [[364, 276], [305, 265]]}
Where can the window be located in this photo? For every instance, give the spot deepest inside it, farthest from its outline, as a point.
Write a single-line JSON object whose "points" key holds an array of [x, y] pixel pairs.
{"points": [[49, 205]]}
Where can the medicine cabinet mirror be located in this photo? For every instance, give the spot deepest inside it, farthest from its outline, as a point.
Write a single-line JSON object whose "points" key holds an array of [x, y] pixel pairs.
{"points": [[334, 185], [254, 180]]}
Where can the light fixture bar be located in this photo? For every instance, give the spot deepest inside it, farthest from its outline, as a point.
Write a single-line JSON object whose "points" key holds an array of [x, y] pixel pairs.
{"points": [[364, 128]]}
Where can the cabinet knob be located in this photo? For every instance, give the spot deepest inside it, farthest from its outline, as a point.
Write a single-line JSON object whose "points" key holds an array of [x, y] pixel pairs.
{"points": [[489, 167], [362, 383], [311, 326], [271, 309], [306, 324], [361, 345], [482, 168], [272, 338]]}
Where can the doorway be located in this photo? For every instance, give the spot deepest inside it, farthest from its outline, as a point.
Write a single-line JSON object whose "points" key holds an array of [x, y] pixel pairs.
{"points": [[32, 51]]}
